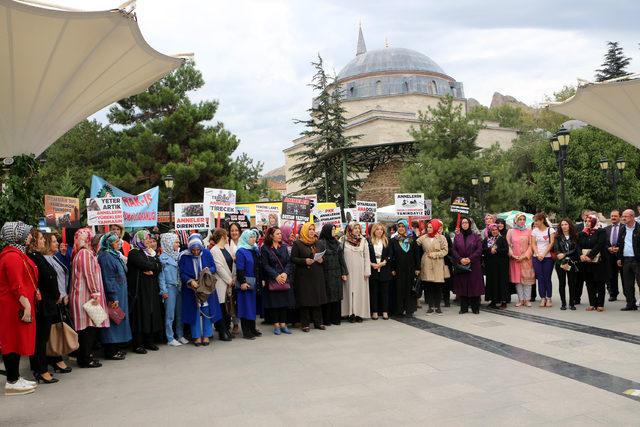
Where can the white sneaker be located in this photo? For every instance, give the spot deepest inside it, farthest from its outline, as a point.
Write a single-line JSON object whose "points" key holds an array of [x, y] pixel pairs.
{"points": [[183, 340], [33, 384], [18, 388], [174, 343]]}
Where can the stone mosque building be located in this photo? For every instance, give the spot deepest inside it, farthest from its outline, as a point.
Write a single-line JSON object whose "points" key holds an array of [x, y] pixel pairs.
{"points": [[384, 90]]}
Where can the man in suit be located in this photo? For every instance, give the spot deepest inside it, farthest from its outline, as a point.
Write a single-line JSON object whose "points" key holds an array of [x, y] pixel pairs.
{"points": [[629, 257], [613, 231]]}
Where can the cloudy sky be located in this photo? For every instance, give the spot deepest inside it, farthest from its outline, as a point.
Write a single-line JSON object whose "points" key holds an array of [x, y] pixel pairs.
{"points": [[255, 55]]}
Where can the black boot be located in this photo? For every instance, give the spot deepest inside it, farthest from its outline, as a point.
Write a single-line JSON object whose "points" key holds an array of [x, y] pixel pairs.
{"points": [[475, 305], [247, 331], [255, 331], [222, 332], [464, 304]]}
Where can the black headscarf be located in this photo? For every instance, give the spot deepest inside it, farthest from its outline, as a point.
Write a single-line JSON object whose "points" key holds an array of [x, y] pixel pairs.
{"points": [[326, 234], [468, 231]]}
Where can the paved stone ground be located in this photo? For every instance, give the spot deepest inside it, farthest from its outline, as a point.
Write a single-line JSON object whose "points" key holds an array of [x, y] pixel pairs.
{"points": [[375, 373]]}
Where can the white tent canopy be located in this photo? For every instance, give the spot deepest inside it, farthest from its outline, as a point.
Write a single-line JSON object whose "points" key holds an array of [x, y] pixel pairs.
{"points": [[57, 67], [613, 106]]}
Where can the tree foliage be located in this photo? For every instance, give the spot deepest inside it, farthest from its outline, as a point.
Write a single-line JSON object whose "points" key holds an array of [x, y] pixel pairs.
{"points": [[21, 195], [615, 63], [319, 166]]}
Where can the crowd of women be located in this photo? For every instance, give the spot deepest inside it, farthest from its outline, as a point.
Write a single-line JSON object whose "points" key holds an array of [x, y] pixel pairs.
{"points": [[165, 288]]}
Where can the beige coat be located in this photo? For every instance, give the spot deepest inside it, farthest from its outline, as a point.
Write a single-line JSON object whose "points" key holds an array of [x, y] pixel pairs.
{"points": [[433, 269], [356, 289], [226, 278]]}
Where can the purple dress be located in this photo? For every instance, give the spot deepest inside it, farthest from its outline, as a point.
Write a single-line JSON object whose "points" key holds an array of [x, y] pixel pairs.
{"points": [[468, 284]]}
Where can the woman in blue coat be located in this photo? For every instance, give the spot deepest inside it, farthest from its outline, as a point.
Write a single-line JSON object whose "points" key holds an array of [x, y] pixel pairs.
{"points": [[247, 269], [200, 317], [114, 278]]}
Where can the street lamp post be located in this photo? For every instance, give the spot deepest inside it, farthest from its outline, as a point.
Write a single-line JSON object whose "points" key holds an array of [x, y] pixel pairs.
{"points": [[481, 185], [614, 175], [559, 144], [168, 182]]}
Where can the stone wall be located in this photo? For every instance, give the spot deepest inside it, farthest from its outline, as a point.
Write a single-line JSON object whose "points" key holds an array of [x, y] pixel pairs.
{"points": [[381, 184]]}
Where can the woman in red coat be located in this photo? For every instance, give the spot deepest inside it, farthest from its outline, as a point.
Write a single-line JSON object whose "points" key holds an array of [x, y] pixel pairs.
{"points": [[18, 295]]}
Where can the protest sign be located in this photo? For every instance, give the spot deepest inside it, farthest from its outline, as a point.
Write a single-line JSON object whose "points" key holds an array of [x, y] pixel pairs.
{"points": [[62, 211], [459, 205], [241, 219], [409, 204], [190, 216], [329, 216], [295, 209], [267, 215], [138, 211], [217, 200], [104, 211], [366, 211]]}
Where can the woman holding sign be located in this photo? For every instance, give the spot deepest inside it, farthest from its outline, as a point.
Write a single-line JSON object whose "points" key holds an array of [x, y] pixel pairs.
{"points": [[308, 282], [356, 303]]}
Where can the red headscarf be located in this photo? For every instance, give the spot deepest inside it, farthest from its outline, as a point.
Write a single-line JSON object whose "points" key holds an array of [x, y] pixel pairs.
{"points": [[436, 225], [590, 225]]}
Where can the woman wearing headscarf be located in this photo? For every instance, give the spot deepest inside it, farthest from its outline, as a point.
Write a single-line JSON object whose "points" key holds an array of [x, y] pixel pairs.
{"points": [[145, 306], [114, 277], [433, 271], [489, 219], [247, 270], [169, 281], [356, 303], [199, 316], [380, 256], [309, 283], [51, 249], [46, 308], [520, 266], [18, 296], [405, 267], [335, 274], [467, 251], [496, 266], [287, 236], [86, 285], [592, 242], [278, 269]]}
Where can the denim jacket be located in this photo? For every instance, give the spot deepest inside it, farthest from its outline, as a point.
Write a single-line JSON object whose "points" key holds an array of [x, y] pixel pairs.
{"points": [[169, 274]]}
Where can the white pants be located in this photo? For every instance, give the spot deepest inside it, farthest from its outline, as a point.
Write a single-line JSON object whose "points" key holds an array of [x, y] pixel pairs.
{"points": [[524, 292]]}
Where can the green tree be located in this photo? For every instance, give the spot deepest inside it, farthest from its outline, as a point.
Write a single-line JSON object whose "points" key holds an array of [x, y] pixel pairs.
{"points": [[164, 132], [319, 166], [614, 65], [22, 192]]}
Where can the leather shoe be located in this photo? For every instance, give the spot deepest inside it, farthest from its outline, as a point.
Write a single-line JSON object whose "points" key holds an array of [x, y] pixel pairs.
{"points": [[151, 347], [140, 350], [224, 337], [91, 364], [321, 327], [632, 308], [611, 299]]}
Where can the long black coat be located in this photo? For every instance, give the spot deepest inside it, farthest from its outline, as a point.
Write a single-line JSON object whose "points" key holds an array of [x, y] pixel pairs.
{"points": [[334, 268], [596, 243], [47, 284], [308, 280], [405, 265], [497, 270], [145, 305], [275, 262]]}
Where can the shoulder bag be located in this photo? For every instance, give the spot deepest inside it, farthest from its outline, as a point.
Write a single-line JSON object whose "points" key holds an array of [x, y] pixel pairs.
{"points": [[273, 284], [62, 339]]}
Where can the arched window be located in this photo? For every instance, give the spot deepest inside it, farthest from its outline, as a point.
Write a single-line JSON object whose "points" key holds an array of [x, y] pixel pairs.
{"points": [[433, 88], [378, 87], [405, 87]]}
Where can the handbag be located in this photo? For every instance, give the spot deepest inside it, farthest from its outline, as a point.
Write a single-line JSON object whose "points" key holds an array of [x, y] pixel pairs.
{"points": [[461, 268], [116, 315], [595, 259], [95, 312], [62, 340], [416, 288], [273, 285]]}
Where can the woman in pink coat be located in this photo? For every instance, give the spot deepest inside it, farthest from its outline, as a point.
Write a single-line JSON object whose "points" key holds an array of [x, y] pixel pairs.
{"points": [[86, 285], [520, 266]]}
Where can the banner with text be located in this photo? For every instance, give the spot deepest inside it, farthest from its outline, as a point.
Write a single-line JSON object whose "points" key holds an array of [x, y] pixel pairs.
{"points": [[366, 211], [138, 211], [295, 209], [190, 216], [62, 211], [459, 205], [217, 200], [409, 204], [329, 216], [104, 211], [267, 215]]}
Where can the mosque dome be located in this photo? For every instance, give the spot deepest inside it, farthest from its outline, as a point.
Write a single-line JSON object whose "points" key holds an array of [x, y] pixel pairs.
{"points": [[389, 60]]}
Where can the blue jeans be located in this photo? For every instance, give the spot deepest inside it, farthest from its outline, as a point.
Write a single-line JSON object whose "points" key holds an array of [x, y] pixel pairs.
{"points": [[203, 328], [170, 313], [543, 270]]}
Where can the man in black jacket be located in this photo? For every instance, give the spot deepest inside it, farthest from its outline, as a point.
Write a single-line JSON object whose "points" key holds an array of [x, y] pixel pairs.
{"points": [[613, 231], [629, 257]]}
